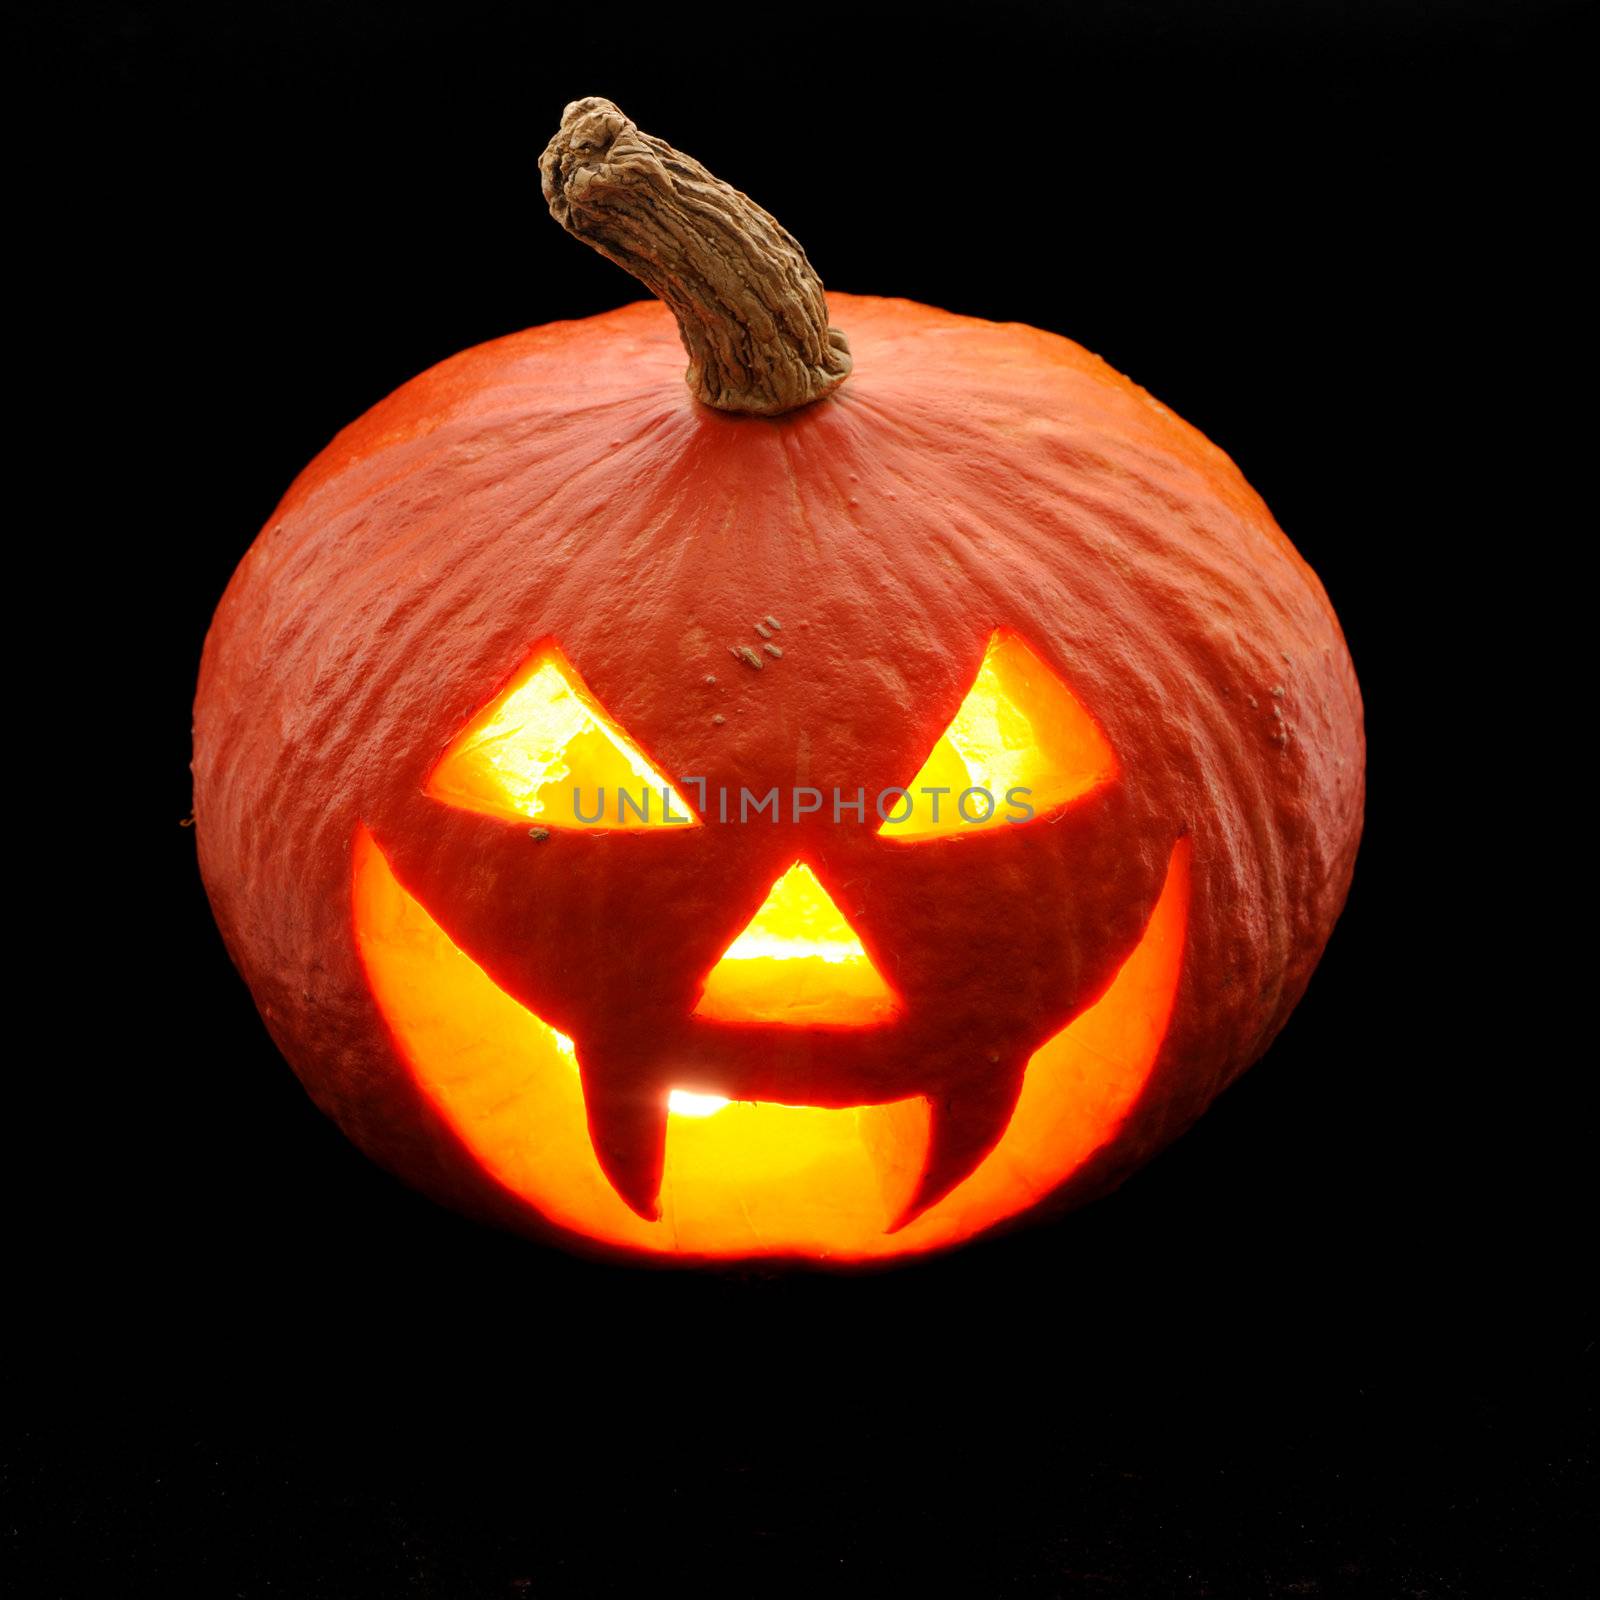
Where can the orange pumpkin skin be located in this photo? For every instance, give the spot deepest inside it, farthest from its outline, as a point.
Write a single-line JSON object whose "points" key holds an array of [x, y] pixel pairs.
{"points": [[561, 484]]}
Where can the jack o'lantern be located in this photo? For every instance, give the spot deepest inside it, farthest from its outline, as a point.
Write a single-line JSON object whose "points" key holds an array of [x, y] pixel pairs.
{"points": [[791, 818]]}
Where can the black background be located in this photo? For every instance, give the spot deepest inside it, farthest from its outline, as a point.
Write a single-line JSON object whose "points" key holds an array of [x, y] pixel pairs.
{"points": [[1331, 1343]]}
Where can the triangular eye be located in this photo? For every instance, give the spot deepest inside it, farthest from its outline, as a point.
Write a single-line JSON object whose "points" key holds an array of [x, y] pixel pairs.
{"points": [[1020, 746], [546, 751]]}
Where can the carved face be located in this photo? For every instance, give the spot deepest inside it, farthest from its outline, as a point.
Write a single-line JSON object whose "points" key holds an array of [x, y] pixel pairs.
{"points": [[806, 1055]]}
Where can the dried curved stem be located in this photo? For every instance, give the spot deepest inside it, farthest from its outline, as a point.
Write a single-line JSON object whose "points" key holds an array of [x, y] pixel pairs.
{"points": [[750, 308]]}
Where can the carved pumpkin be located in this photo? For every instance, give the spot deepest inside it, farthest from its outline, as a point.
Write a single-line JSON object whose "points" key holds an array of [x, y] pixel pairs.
{"points": [[570, 751]]}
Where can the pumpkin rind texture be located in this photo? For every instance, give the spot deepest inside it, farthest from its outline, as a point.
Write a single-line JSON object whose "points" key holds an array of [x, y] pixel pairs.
{"points": [[560, 487]]}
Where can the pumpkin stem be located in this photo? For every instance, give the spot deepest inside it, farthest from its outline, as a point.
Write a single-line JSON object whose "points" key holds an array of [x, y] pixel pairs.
{"points": [[750, 307]]}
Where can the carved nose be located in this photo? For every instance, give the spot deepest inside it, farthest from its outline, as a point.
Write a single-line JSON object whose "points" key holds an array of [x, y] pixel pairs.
{"points": [[797, 963]]}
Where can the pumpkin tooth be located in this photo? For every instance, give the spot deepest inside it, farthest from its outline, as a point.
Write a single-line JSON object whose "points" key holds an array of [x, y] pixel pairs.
{"points": [[628, 1129], [964, 1127]]}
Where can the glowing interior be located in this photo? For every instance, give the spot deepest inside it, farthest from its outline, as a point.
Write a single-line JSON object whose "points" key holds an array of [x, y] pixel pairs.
{"points": [[797, 961], [741, 1179], [523, 757], [1019, 727]]}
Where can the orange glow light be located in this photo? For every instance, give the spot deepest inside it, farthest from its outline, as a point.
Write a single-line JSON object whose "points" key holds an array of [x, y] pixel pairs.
{"points": [[798, 962], [543, 738], [748, 1179], [1019, 727], [684, 1103]]}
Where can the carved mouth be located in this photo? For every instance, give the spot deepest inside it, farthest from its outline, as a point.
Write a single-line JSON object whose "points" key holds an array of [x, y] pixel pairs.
{"points": [[742, 1179]]}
